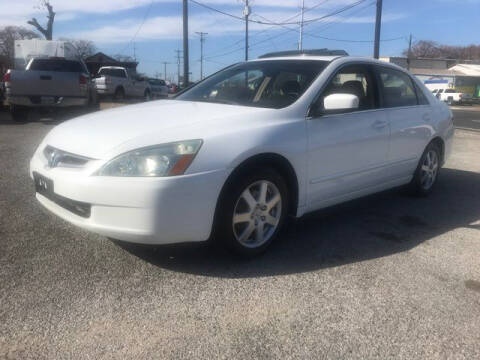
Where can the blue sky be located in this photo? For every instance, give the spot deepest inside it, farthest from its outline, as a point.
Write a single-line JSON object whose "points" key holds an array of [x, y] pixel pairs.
{"points": [[113, 24]]}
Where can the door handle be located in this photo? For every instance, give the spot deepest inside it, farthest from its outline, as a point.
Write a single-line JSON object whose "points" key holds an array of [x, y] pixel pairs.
{"points": [[379, 124], [426, 117]]}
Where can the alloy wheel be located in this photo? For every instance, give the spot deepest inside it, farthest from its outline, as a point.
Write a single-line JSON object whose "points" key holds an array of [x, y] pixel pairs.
{"points": [[429, 170], [257, 214]]}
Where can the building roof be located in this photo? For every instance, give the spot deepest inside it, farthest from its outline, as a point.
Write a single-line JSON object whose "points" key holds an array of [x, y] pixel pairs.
{"points": [[433, 72], [467, 69]]}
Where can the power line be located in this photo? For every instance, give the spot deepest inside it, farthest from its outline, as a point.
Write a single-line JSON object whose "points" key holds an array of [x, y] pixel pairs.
{"points": [[345, 8], [288, 28], [139, 27], [265, 30]]}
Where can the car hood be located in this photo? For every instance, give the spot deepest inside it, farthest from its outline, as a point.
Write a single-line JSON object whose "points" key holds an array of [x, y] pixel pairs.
{"points": [[109, 132]]}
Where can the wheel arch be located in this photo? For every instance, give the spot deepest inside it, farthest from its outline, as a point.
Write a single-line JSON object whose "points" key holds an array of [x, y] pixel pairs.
{"points": [[437, 140], [273, 160]]}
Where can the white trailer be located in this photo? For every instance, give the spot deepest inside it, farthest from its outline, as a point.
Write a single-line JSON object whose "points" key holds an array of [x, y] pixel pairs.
{"points": [[25, 50]]}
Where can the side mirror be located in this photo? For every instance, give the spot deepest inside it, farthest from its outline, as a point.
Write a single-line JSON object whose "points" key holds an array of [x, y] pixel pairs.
{"points": [[340, 102]]}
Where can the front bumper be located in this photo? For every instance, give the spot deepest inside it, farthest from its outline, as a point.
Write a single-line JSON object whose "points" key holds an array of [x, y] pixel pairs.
{"points": [[142, 210]]}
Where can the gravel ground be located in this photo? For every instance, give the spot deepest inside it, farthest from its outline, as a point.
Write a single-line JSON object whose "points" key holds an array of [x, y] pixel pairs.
{"points": [[388, 276]]}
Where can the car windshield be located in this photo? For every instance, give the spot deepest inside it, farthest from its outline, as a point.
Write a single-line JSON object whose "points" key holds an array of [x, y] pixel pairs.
{"points": [[56, 65], [271, 83]]}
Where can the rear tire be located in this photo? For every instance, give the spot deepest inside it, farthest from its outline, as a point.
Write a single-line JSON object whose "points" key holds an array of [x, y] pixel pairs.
{"points": [[426, 174], [19, 113], [147, 96], [252, 212], [119, 94]]}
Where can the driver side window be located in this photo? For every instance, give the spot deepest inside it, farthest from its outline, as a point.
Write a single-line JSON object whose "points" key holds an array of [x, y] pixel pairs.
{"points": [[354, 80]]}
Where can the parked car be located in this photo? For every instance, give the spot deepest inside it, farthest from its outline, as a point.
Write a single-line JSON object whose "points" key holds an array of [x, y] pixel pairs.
{"points": [[48, 83], [452, 96], [173, 88], [158, 88], [117, 82], [235, 155]]}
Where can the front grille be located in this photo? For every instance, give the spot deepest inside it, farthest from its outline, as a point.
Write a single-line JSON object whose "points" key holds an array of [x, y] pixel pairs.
{"points": [[77, 207], [60, 158]]}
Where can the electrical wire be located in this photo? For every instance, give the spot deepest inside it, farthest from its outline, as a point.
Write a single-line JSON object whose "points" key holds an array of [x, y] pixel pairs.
{"points": [[345, 8], [139, 27], [285, 32]]}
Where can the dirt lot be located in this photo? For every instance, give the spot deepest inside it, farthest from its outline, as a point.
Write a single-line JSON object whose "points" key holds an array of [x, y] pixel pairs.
{"points": [[387, 276]]}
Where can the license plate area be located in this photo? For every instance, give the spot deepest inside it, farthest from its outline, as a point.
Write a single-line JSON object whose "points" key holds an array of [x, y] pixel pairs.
{"points": [[43, 185]]}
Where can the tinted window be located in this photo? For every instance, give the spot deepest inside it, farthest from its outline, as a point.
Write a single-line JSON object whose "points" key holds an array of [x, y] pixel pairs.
{"points": [[267, 83], [397, 88], [422, 99], [56, 65], [355, 80], [112, 72]]}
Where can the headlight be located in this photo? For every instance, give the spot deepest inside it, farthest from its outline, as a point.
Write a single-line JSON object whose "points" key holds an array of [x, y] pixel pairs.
{"points": [[160, 160]]}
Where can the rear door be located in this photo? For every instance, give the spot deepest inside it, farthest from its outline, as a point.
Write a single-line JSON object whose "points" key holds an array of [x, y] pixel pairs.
{"points": [[409, 113], [347, 150]]}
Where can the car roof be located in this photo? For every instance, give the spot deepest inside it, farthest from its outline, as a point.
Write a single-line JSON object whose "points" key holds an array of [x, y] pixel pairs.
{"points": [[299, 57], [342, 58]]}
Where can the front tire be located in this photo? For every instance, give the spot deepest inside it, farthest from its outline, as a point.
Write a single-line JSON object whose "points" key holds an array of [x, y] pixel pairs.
{"points": [[119, 94], [426, 174], [252, 212]]}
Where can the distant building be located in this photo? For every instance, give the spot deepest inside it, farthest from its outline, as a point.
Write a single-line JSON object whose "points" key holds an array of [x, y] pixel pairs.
{"points": [[98, 60], [443, 73]]}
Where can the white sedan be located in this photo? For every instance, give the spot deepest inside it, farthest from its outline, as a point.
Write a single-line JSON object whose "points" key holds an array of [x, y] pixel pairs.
{"points": [[236, 154]]}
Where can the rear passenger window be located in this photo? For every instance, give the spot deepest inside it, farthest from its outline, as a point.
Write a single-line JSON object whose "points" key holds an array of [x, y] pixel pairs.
{"points": [[422, 99], [397, 88]]}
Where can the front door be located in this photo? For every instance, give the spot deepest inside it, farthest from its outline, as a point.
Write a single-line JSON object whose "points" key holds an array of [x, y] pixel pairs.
{"points": [[347, 150]]}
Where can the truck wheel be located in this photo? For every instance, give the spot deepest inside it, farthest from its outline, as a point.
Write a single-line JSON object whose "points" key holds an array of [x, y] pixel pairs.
{"points": [[147, 96], [19, 113], [119, 94], [93, 103]]}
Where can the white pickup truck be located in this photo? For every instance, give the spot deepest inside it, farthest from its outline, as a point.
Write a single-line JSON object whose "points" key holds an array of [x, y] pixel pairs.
{"points": [[117, 82], [50, 82], [452, 96]]}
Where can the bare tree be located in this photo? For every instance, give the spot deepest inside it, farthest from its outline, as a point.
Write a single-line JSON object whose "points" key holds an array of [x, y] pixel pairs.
{"points": [[8, 35], [85, 48], [433, 50], [48, 31]]}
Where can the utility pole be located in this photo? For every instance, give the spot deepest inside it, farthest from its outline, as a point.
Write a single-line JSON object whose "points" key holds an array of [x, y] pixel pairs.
{"points": [[378, 23], [178, 57], [165, 69], [246, 13], [409, 52], [202, 40], [134, 52], [185, 43], [300, 41]]}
